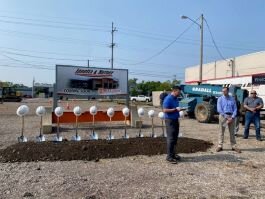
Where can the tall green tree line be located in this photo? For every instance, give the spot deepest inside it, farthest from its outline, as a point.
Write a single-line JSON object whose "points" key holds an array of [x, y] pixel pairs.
{"points": [[146, 87]]}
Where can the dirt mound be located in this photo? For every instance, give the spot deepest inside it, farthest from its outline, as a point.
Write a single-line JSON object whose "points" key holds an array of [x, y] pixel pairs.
{"points": [[94, 150]]}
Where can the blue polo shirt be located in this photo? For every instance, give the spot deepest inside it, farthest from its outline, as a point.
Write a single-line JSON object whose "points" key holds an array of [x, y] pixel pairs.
{"points": [[171, 102], [226, 105]]}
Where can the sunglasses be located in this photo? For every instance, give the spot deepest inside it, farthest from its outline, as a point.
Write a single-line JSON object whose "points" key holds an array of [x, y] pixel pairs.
{"points": [[253, 93]]}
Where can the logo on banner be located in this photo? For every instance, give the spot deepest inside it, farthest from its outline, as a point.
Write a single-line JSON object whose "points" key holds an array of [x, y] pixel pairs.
{"points": [[94, 72], [258, 79]]}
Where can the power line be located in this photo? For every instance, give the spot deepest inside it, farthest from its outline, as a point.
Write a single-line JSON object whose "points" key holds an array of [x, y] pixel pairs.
{"points": [[56, 39], [163, 49], [101, 44], [56, 22], [147, 64], [53, 53], [40, 57], [159, 36], [193, 42], [39, 68], [14, 59], [52, 69], [127, 30], [214, 43], [45, 67], [51, 26], [47, 16]]}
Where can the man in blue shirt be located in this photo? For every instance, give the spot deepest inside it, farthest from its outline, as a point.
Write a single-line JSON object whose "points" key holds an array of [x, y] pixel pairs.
{"points": [[171, 110], [227, 109]]}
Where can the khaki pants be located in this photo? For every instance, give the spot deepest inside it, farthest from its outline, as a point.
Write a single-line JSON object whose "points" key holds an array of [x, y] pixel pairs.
{"points": [[231, 128]]}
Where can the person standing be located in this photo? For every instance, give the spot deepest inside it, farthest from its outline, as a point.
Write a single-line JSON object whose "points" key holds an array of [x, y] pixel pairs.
{"points": [[253, 104], [226, 107], [171, 110], [162, 96], [237, 118]]}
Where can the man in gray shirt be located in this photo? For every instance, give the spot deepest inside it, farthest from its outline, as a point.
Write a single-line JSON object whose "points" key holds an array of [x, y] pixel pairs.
{"points": [[253, 104]]}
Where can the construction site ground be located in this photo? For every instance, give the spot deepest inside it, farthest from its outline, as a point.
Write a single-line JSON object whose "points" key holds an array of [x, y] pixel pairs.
{"points": [[202, 172]]}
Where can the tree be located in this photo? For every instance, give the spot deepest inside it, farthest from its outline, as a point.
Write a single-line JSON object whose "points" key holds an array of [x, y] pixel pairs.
{"points": [[146, 88], [175, 82]]}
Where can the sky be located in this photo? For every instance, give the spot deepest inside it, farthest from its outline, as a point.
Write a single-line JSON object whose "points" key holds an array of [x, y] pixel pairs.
{"points": [[35, 35]]}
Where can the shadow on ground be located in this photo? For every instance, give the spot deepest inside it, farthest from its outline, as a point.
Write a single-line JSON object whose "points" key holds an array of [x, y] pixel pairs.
{"points": [[214, 157], [254, 149]]}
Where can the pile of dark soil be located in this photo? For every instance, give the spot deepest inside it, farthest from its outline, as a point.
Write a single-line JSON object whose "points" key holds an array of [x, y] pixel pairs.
{"points": [[94, 150]]}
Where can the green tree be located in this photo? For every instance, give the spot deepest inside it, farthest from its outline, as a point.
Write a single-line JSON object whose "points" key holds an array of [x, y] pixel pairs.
{"points": [[146, 87]]}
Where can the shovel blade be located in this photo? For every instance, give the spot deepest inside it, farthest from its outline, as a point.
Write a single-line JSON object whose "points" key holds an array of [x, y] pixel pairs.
{"points": [[126, 136], [76, 138], [40, 138], [58, 139], [22, 139], [110, 137], [94, 136], [141, 135]]}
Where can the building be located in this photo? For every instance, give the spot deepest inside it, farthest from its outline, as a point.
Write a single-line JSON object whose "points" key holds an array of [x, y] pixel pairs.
{"points": [[241, 66], [247, 71], [43, 90]]}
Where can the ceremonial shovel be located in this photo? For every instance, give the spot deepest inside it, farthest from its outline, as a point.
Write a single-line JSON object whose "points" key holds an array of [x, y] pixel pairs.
{"points": [[126, 113], [77, 111], [22, 111], [58, 112], [40, 111], [93, 111]]}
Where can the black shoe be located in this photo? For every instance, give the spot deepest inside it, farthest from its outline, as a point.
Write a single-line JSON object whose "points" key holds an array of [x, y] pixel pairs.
{"points": [[177, 157], [259, 139], [172, 160], [245, 138], [236, 134]]}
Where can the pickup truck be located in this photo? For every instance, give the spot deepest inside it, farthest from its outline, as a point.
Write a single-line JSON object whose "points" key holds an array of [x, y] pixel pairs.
{"points": [[141, 98]]}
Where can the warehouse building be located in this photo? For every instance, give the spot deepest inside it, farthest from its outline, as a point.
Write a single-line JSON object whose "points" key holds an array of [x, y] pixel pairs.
{"points": [[241, 66]]}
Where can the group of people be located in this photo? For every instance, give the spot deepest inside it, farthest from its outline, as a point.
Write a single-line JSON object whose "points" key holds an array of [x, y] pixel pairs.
{"points": [[228, 109]]}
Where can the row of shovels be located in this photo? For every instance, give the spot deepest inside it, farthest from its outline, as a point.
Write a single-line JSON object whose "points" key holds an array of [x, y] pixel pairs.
{"points": [[40, 111]]}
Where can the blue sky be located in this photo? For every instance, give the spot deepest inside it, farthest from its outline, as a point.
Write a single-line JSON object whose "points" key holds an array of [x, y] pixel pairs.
{"points": [[37, 35]]}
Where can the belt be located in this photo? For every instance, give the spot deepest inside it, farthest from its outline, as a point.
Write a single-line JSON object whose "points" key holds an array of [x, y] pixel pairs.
{"points": [[229, 113], [172, 119]]}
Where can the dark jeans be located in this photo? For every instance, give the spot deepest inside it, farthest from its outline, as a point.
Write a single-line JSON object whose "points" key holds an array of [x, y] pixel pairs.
{"points": [[255, 118], [172, 127]]}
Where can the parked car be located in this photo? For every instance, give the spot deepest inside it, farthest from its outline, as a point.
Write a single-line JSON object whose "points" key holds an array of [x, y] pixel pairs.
{"points": [[141, 98]]}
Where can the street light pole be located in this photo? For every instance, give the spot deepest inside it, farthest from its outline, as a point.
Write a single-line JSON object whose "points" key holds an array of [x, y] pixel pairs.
{"points": [[201, 44], [201, 50]]}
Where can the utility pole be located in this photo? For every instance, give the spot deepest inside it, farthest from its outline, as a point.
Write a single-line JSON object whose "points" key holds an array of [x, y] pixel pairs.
{"points": [[88, 63], [201, 50], [232, 67], [201, 46], [113, 29], [33, 89], [215, 70]]}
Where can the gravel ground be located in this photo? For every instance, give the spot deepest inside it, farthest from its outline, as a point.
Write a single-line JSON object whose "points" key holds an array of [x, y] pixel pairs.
{"points": [[199, 175]]}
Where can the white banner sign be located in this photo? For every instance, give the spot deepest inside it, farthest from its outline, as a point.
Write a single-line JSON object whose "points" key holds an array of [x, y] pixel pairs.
{"points": [[74, 80]]}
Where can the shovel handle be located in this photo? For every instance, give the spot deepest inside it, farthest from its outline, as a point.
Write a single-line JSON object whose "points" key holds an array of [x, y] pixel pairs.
{"points": [[125, 128], [58, 120], [22, 129], [152, 127], [76, 125]]}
